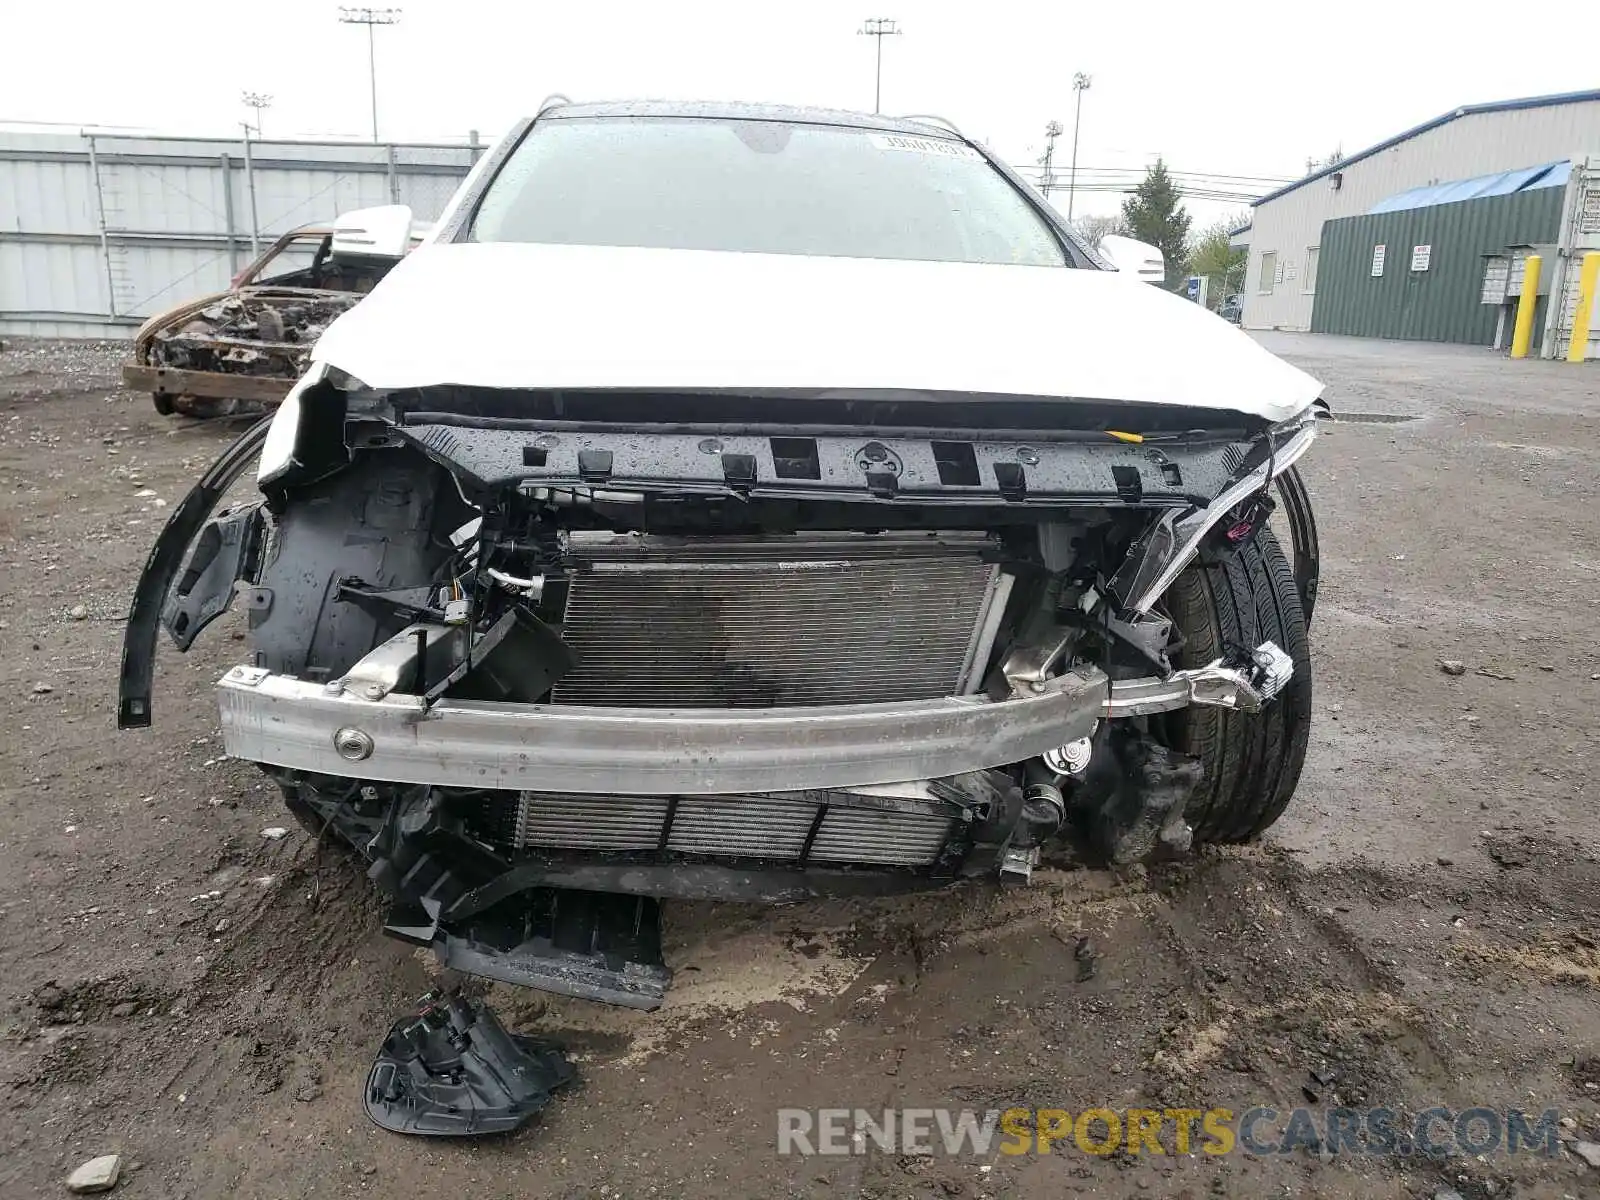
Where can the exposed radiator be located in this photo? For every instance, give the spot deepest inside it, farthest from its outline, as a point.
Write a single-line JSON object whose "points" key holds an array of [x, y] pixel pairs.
{"points": [[750, 623], [853, 828]]}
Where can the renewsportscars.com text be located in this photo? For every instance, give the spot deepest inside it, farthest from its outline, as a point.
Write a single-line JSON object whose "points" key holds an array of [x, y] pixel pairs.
{"points": [[1432, 1132]]}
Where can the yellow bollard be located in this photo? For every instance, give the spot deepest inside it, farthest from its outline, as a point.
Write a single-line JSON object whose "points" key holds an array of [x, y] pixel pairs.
{"points": [[1588, 285], [1522, 333]]}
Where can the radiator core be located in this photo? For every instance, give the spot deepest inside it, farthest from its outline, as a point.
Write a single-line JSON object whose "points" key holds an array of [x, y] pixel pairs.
{"points": [[755, 623]]}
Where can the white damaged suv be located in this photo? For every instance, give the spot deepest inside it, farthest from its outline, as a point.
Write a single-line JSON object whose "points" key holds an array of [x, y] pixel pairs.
{"points": [[752, 503]]}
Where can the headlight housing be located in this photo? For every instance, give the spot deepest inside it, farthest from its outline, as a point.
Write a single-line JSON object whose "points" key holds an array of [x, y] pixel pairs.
{"points": [[277, 452]]}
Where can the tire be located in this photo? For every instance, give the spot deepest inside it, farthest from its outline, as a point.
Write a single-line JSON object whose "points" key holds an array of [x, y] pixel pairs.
{"points": [[1250, 761]]}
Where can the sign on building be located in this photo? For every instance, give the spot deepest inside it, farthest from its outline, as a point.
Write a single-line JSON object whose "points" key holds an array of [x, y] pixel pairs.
{"points": [[1496, 279], [1377, 259], [1589, 218], [1420, 256], [1519, 267]]}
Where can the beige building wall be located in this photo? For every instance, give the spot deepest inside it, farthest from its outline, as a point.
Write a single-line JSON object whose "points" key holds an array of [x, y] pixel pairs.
{"points": [[1285, 232]]}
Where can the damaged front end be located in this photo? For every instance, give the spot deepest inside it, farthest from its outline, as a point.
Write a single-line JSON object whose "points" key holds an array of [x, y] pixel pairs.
{"points": [[542, 672], [252, 333], [236, 355]]}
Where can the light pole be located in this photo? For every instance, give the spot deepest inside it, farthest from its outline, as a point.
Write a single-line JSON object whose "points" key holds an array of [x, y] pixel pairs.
{"points": [[1047, 179], [250, 189], [257, 101], [1080, 85], [879, 28], [371, 18]]}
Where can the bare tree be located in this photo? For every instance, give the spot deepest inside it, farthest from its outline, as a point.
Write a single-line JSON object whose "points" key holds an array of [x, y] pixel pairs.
{"points": [[1092, 229], [1313, 165]]}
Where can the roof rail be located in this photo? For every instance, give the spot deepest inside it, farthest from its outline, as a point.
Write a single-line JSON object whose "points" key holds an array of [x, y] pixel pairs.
{"points": [[553, 100], [930, 119]]}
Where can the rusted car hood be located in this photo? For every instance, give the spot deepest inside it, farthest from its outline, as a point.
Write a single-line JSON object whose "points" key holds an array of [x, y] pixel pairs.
{"points": [[540, 316]]}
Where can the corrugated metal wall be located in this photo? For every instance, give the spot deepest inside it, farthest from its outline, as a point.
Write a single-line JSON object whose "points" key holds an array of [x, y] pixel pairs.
{"points": [[1581, 237], [1474, 144], [99, 232], [1442, 303]]}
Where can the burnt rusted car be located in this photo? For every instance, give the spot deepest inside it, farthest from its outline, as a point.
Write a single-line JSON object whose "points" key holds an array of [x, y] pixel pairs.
{"points": [[240, 351]]}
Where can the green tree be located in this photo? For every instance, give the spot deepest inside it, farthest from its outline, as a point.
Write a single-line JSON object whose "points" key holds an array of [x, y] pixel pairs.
{"points": [[1155, 214], [1211, 255]]}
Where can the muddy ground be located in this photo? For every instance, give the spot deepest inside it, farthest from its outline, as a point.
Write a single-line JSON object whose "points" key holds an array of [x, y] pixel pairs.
{"points": [[176, 988]]}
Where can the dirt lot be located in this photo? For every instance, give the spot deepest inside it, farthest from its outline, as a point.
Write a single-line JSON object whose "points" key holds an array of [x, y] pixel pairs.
{"points": [[1423, 921]]}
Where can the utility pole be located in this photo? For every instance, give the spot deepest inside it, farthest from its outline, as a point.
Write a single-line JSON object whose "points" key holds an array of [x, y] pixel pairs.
{"points": [[250, 190], [1080, 85], [1047, 180], [257, 101], [879, 28], [371, 18]]}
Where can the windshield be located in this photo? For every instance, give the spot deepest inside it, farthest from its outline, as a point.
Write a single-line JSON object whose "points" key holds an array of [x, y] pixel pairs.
{"points": [[763, 186], [293, 255]]}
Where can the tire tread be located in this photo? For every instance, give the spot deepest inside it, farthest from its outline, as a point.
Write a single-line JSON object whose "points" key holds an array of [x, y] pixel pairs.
{"points": [[1251, 761]]}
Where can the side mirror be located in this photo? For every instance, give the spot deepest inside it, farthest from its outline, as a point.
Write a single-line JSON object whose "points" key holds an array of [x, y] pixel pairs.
{"points": [[1130, 257], [372, 232]]}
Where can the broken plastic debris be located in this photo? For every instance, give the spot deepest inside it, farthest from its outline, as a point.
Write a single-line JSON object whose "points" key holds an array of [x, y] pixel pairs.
{"points": [[452, 1070], [274, 832]]}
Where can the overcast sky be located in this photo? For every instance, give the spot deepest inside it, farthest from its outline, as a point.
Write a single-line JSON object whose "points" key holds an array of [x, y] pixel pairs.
{"points": [[1249, 90]]}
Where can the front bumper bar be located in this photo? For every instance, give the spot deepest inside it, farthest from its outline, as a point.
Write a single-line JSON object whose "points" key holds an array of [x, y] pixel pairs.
{"points": [[325, 729], [220, 385], [284, 722]]}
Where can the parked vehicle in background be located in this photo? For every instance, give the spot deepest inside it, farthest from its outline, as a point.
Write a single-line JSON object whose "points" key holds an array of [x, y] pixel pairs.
{"points": [[241, 350], [752, 503], [1232, 309]]}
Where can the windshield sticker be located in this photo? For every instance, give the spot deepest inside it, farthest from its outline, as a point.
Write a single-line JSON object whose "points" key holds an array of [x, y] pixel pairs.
{"points": [[921, 145]]}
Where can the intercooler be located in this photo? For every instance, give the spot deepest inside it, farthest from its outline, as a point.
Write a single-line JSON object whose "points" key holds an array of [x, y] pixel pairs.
{"points": [[773, 621], [873, 826]]}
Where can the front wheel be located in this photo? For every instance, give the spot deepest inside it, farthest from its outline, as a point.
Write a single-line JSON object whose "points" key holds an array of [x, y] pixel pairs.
{"points": [[1250, 761]]}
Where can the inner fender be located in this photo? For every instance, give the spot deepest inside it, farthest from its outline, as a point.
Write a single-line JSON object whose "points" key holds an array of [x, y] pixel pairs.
{"points": [[162, 569], [384, 521]]}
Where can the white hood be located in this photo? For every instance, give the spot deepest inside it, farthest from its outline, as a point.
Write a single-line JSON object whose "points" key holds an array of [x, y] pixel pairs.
{"points": [[534, 316]]}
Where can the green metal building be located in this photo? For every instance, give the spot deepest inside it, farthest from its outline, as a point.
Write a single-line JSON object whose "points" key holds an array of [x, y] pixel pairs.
{"points": [[1418, 265]]}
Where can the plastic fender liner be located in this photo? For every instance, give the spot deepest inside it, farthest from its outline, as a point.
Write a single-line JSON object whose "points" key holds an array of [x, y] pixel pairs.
{"points": [[1302, 536], [224, 552], [162, 568]]}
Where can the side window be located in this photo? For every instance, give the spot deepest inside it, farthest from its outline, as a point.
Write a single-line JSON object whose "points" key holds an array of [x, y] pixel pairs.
{"points": [[1308, 284], [1269, 270]]}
